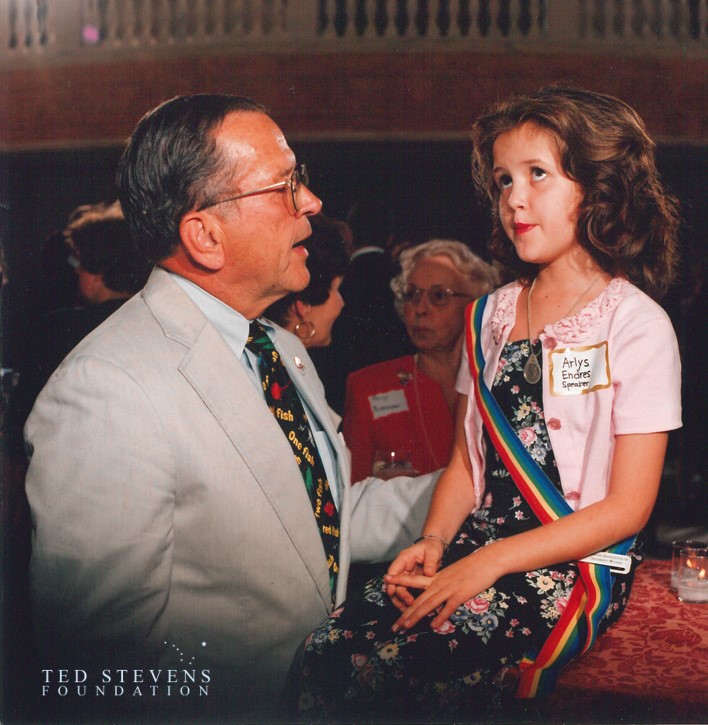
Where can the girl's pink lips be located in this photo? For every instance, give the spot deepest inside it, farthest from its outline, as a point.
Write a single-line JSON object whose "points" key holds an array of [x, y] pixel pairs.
{"points": [[522, 228]]}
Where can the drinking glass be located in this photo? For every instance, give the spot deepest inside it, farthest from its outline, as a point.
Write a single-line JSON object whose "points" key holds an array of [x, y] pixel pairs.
{"points": [[391, 463]]}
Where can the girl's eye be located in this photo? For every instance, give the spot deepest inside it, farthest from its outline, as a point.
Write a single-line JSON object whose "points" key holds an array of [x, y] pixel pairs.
{"points": [[504, 181], [538, 173]]}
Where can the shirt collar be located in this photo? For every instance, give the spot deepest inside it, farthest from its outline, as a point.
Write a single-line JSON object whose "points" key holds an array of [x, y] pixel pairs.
{"points": [[229, 323], [365, 250]]}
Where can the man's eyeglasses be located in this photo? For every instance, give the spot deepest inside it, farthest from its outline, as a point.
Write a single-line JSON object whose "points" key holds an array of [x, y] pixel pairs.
{"points": [[295, 182], [437, 295]]}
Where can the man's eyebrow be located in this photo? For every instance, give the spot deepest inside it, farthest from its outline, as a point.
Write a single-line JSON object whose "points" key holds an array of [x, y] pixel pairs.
{"points": [[283, 174]]}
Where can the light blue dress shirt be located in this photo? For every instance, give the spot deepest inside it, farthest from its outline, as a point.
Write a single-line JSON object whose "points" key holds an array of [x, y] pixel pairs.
{"points": [[233, 327]]}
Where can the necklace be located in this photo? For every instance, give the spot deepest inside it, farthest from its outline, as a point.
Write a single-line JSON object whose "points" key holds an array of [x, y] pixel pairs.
{"points": [[420, 413], [532, 369]]}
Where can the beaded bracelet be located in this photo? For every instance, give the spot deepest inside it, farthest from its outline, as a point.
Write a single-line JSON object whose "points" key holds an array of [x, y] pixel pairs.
{"points": [[433, 536]]}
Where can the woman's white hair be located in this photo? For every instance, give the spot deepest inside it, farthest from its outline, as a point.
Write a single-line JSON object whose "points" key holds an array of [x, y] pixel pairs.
{"points": [[481, 277]]}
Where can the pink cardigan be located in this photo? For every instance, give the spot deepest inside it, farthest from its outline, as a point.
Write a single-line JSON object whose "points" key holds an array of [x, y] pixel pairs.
{"points": [[626, 343]]}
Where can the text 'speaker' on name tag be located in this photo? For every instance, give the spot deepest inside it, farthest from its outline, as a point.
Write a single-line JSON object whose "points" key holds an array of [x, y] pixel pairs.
{"points": [[393, 401], [579, 370]]}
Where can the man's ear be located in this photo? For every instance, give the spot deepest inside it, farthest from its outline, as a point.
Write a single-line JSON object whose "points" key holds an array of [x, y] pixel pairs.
{"points": [[203, 239]]}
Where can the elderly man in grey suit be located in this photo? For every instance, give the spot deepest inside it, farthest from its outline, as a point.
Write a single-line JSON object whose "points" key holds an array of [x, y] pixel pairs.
{"points": [[179, 547]]}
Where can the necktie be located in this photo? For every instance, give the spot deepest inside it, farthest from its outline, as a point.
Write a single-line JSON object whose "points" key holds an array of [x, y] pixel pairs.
{"points": [[284, 402]]}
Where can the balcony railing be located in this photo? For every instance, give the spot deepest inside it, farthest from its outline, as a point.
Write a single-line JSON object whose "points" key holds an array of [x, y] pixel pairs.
{"points": [[85, 30]]}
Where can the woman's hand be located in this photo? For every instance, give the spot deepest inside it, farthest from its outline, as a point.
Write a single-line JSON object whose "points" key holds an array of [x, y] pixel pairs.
{"points": [[421, 560], [451, 587]]}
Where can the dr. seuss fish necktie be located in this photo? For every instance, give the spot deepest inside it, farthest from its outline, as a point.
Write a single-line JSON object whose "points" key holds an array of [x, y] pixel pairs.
{"points": [[285, 405]]}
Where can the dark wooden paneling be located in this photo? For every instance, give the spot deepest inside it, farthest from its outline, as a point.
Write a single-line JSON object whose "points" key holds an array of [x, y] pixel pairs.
{"points": [[345, 95]]}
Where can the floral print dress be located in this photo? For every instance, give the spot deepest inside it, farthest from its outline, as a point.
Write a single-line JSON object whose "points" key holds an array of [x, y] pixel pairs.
{"points": [[354, 668]]}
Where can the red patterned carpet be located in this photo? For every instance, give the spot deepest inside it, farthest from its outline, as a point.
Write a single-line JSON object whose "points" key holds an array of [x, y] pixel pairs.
{"points": [[651, 667]]}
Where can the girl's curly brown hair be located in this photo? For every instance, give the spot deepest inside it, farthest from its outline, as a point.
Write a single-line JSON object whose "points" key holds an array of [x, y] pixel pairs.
{"points": [[627, 219]]}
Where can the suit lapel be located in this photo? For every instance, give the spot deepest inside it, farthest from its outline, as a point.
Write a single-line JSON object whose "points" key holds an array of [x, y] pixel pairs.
{"points": [[224, 387]]}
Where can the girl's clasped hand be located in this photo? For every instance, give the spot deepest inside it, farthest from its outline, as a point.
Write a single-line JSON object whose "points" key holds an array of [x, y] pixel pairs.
{"points": [[446, 589]]}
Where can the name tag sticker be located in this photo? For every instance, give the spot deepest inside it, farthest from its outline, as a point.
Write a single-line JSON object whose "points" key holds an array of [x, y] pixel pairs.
{"points": [[393, 401], [619, 563], [579, 370]]}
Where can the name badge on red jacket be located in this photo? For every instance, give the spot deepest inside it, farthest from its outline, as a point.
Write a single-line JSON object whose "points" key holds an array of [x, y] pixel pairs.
{"points": [[393, 401]]}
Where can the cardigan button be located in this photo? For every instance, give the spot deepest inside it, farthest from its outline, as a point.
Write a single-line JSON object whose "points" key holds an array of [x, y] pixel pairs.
{"points": [[572, 495], [549, 343], [553, 423]]}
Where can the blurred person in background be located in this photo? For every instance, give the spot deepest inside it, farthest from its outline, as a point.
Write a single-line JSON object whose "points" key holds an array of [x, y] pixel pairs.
{"points": [[310, 314], [368, 330], [401, 412], [108, 273]]}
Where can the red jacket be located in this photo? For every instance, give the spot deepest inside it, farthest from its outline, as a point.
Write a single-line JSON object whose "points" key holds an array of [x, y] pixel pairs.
{"points": [[394, 406]]}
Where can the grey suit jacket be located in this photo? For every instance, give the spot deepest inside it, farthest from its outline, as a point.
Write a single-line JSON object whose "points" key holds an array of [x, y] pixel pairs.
{"points": [[172, 526]]}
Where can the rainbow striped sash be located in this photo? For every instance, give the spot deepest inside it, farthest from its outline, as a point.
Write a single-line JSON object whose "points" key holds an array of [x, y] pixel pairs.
{"points": [[577, 628]]}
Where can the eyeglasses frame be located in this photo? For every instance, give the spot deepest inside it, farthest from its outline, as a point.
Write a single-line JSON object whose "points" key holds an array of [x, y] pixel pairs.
{"points": [[449, 293], [299, 178]]}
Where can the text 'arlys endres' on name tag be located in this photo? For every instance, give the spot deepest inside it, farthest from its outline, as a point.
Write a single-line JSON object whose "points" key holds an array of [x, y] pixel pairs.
{"points": [[579, 370]]}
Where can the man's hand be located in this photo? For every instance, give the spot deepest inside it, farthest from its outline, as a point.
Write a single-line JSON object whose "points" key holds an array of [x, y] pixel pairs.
{"points": [[421, 561]]}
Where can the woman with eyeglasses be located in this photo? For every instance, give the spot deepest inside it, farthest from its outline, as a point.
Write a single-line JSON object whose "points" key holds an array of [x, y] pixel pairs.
{"points": [[398, 414]]}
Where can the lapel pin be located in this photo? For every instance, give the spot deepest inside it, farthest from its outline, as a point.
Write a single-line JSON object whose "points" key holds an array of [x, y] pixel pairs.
{"points": [[299, 364]]}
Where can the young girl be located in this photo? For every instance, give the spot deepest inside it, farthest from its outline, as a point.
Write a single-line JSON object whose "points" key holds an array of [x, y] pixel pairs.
{"points": [[573, 384]]}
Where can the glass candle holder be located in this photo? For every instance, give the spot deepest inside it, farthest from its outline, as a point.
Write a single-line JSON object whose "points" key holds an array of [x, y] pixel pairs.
{"points": [[676, 547], [693, 574]]}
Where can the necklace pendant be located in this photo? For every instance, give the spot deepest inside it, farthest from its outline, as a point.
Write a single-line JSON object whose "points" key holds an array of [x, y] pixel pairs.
{"points": [[532, 370]]}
